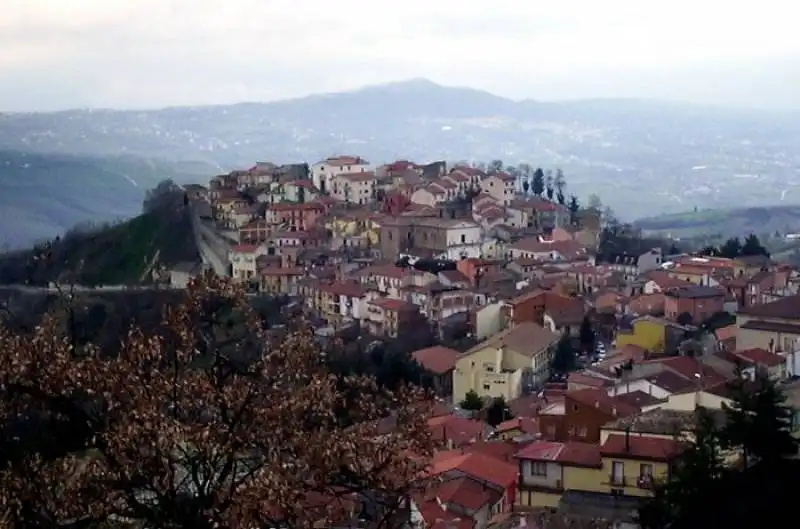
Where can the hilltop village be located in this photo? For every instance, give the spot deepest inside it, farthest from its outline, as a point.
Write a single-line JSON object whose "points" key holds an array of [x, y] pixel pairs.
{"points": [[568, 351]]}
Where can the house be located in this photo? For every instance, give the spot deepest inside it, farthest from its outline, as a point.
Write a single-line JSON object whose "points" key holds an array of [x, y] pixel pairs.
{"points": [[501, 186], [772, 326], [547, 469], [440, 362], [699, 302], [277, 280], [633, 464], [430, 195], [757, 360], [508, 364], [633, 264], [323, 172], [516, 428], [653, 334], [582, 415], [392, 317], [355, 188], [294, 217], [243, 261], [546, 250], [455, 432]]}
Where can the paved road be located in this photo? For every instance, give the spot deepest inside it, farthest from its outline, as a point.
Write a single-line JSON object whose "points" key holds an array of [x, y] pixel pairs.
{"points": [[212, 254]]}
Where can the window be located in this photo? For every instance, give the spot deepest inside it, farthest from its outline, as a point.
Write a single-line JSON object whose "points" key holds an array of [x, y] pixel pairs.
{"points": [[463, 238], [645, 471], [487, 387], [539, 468], [571, 430], [618, 473], [582, 431]]}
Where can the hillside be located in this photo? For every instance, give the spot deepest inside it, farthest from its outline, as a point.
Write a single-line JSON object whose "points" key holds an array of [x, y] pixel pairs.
{"points": [[726, 222], [114, 254], [43, 195], [683, 155]]}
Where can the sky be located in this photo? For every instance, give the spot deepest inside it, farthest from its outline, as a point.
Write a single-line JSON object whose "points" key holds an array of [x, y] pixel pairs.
{"points": [[151, 53]]}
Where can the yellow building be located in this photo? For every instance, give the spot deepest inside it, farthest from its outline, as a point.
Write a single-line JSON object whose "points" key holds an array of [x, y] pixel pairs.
{"points": [[506, 363], [632, 464], [656, 335], [548, 469], [358, 224]]}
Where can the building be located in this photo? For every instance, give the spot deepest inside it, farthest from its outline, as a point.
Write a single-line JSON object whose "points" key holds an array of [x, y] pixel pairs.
{"points": [[772, 326], [699, 302], [243, 261], [355, 188], [547, 469], [323, 172], [293, 217], [391, 317], [508, 364], [582, 415], [501, 186], [440, 361], [656, 335], [633, 464], [445, 238]]}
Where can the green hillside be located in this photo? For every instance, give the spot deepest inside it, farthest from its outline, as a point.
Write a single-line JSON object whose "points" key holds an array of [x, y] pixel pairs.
{"points": [[766, 220], [121, 253], [43, 195]]}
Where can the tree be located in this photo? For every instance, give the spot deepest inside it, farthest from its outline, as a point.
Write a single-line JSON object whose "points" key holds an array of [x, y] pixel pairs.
{"points": [[696, 477], [684, 318], [758, 422], [204, 422], [166, 192], [472, 401], [537, 186], [564, 360], [495, 166], [573, 207], [498, 411], [548, 184], [526, 186], [587, 336], [561, 185], [752, 246], [731, 249]]}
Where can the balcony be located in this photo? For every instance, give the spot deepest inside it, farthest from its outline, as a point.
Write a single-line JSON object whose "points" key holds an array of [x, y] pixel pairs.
{"points": [[616, 481], [645, 482]]}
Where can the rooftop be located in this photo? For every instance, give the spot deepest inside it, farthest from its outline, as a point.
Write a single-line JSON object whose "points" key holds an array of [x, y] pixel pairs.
{"points": [[661, 421]]}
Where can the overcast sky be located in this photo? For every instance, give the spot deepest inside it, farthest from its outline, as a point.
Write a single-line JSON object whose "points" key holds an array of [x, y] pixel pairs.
{"points": [[151, 53]]}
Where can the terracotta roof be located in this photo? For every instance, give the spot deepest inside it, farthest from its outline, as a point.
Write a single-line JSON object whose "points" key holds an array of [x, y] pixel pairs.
{"points": [[640, 447], [638, 398], [726, 333], [586, 379], [357, 177], [527, 338], [393, 305], [464, 492], [344, 288], [541, 451], [458, 430], [671, 382], [437, 359], [689, 368], [759, 357], [570, 453], [480, 466], [523, 424], [244, 248], [502, 450], [600, 400], [666, 281], [437, 516], [786, 308]]}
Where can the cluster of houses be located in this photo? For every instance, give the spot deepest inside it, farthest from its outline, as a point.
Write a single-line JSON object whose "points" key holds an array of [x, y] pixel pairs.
{"points": [[520, 274]]}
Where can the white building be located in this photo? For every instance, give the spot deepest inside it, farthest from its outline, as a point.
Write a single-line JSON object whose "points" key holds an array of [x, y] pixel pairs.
{"points": [[323, 172]]}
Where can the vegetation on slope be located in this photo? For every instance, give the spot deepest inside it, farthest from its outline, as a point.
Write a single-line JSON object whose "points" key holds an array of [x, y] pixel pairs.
{"points": [[726, 222], [44, 195], [123, 253]]}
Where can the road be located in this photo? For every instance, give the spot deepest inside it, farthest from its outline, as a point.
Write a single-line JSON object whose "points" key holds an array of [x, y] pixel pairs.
{"points": [[213, 253]]}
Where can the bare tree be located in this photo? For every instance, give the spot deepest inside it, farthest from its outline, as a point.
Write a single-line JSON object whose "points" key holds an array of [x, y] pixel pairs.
{"points": [[205, 422]]}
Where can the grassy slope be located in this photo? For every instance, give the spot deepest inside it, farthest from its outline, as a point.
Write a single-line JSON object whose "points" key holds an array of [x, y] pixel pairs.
{"points": [[726, 222], [116, 254], [43, 195]]}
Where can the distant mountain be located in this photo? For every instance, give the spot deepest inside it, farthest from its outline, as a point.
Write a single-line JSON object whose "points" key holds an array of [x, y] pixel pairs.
{"points": [[43, 195], [640, 157]]}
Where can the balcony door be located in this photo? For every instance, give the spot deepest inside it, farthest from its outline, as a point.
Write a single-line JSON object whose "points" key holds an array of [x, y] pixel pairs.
{"points": [[618, 473]]}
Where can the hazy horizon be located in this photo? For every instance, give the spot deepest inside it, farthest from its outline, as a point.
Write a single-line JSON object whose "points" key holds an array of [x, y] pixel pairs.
{"points": [[153, 54]]}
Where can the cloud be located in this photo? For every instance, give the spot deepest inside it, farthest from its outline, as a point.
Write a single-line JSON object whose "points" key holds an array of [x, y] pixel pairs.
{"points": [[159, 52]]}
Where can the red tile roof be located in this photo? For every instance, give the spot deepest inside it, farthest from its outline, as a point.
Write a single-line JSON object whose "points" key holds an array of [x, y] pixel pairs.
{"points": [[640, 447], [600, 400], [479, 466], [244, 248], [393, 304], [523, 424], [437, 359], [759, 357], [570, 454], [465, 492], [459, 430]]}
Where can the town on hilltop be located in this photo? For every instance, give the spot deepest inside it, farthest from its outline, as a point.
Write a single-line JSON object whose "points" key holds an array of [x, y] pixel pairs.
{"points": [[570, 354]]}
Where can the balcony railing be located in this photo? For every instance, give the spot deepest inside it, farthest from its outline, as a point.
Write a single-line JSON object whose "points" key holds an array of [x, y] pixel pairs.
{"points": [[616, 481], [645, 482]]}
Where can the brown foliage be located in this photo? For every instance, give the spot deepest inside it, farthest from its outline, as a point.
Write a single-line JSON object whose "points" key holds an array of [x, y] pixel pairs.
{"points": [[194, 426]]}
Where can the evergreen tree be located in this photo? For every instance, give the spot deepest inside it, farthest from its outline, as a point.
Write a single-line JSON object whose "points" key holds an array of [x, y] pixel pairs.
{"points": [[573, 207], [548, 184], [759, 423], [752, 246], [526, 186], [587, 336], [472, 401], [697, 476], [538, 182], [564, 359], [731, 249], [495, 166], [498, 411]]}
